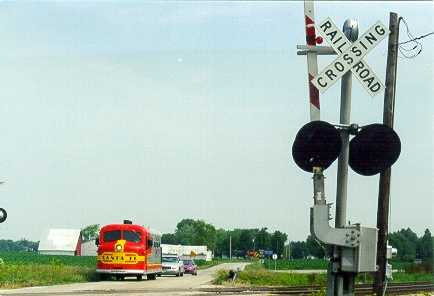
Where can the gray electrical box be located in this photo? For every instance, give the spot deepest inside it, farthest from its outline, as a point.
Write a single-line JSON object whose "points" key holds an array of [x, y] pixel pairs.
{"points": [[362, 258]]}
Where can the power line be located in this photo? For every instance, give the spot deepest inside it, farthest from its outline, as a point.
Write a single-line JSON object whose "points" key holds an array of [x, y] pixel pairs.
{"points": [[417, 38], [416, 49]]}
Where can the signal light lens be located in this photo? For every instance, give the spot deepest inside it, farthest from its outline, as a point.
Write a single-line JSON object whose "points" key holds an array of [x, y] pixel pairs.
{"points": [[374, 149], [3, 215], [317, 144]]}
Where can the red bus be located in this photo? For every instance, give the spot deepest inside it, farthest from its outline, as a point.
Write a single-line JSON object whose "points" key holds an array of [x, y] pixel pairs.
{"points": [[128, 250]]}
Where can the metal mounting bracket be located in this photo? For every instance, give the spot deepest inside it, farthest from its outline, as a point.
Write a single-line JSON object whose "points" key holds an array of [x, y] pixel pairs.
{"points": [[321, 230], [319, 50]]}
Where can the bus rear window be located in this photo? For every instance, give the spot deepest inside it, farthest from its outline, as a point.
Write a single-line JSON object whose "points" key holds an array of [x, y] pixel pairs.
{"points": [[132, 236], [111, 236]]}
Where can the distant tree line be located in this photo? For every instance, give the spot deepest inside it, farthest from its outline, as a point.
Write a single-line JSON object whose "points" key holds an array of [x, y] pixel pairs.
{"points": [[20, 245], [409, 246], [310, 248], [198, 232]]}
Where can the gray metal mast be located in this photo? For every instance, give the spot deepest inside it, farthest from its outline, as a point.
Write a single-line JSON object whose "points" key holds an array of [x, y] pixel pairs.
{"points": [[344, 283]]}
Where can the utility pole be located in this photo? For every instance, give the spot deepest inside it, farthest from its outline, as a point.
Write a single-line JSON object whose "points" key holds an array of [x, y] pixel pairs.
{"points": [[384, 184], [230, 247]]}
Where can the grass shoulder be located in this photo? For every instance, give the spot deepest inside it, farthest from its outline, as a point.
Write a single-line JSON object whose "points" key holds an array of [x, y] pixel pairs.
{"points": [[295, 264], [256, 274]]}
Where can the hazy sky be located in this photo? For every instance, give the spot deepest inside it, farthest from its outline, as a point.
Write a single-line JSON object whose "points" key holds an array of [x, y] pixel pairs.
{"points": [[158, 111]]}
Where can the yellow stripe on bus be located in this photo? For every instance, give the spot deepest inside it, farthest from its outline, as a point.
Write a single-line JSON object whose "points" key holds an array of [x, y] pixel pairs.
{"points": [[120, 258]]}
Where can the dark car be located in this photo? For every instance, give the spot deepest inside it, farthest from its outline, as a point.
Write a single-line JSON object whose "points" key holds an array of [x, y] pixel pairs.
{"points": [[190, 267]]}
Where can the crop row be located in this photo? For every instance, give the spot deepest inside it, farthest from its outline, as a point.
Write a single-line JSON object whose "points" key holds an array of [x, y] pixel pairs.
{"points": [[33, 258]]}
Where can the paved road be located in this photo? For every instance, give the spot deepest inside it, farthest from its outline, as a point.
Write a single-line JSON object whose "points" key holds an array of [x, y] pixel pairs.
{"points": [[166, 285]]}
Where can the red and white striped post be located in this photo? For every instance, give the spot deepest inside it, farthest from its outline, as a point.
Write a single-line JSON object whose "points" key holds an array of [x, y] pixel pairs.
{"points": [[312, 64]]}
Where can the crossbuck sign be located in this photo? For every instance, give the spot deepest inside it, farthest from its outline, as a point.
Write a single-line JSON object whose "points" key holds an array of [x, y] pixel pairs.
{"points": [[350, 57]]}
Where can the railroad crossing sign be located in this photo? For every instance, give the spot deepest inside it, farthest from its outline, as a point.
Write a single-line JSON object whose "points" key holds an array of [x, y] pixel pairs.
{"points": [[350, 57]]}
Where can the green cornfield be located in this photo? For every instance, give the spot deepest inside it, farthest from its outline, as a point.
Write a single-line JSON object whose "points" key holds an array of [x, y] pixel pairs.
{"points": [[32, 257], [26, 269]]}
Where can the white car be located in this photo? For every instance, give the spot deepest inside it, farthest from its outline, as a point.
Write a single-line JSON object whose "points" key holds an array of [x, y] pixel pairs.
{"points": [[172, 264]]}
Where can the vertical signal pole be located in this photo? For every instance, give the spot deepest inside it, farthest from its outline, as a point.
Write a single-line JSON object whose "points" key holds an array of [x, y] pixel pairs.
{"points": [[312, 64], [344, 282], [230, 247], [312, 68], [384, 184]]}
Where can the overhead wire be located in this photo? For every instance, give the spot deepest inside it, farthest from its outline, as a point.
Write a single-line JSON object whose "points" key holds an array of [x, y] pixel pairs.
{"points": [[416, 48], [417, 38]]}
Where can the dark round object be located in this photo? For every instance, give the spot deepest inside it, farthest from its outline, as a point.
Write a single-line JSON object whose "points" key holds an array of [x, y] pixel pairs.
{"points": [[152, 276], [317, 144], [374, 149], [3, 215]]}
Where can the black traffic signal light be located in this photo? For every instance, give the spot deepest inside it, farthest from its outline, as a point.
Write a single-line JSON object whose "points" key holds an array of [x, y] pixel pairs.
{"points": [[3, 215], [374, 149], [317, 144]]}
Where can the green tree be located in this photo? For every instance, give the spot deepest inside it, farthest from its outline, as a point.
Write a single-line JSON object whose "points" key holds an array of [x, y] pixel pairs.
{"points": [[185, 233], [205, 234], [8, 245], [184, 222], [246, 241], [277, 241], [405, 241], [21, 245], [222, 243], [298, 250], [26, 245], [236, 246], [90, 232], [195, 232], [314, 248], [169, 238], [263, 239], [425, 247]]}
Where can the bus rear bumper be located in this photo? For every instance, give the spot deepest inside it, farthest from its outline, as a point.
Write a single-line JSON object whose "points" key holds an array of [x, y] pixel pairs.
{"points": [[121, 271]]}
